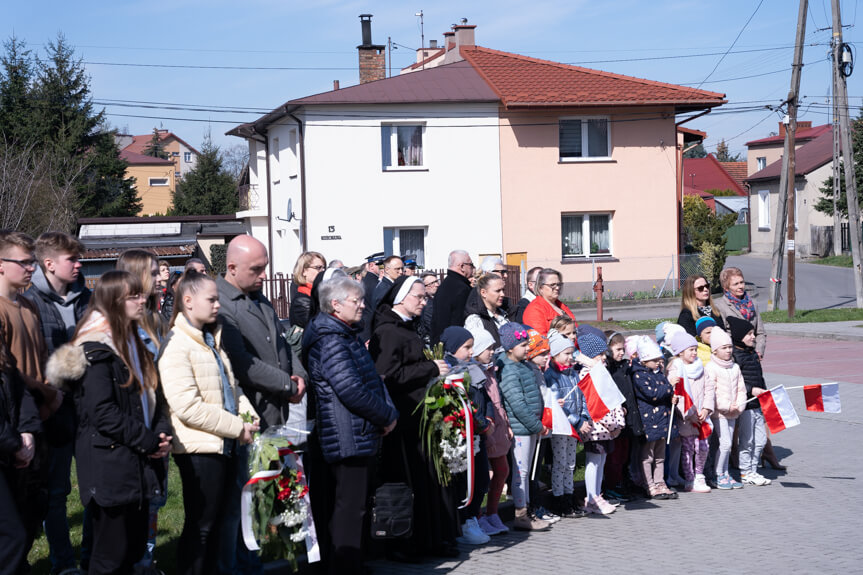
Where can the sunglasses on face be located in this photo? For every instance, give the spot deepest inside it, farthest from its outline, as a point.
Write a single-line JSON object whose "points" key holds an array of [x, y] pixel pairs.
{"points": [[702, 287]]}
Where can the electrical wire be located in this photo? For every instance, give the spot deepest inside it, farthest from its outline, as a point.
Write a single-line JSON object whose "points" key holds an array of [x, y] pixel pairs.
{"points": [[733, 43]]}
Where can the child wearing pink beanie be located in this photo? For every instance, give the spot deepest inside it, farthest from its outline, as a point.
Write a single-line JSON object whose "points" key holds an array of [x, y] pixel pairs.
{"points": [[730, 396]]}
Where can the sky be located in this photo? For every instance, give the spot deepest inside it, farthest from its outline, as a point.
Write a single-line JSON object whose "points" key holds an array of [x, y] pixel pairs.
{"points": [[189, 65]]}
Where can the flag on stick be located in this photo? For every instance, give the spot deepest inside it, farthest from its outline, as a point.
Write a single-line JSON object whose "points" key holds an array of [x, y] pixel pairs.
{"points": [[600, 392], [822, 397], [554, 417], [778, 412], [682, 388]]}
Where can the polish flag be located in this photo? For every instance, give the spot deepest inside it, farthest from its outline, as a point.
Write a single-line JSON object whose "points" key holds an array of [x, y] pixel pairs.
{"points": [[778, 412], [682, 388], [600, 392], [822, 397], [554, 417]]}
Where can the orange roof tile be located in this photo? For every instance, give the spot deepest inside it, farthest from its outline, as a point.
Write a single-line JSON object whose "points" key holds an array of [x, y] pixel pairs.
{"points": [[702, 174], [140, 142], [737, 170], [136, 159], [521, 81]]}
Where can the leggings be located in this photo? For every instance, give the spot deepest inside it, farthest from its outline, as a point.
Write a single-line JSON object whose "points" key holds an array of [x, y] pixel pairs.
{"points": [[564, 449], [522, 456], [725, 434], [595, 463], [499, 474], [694, 454]]}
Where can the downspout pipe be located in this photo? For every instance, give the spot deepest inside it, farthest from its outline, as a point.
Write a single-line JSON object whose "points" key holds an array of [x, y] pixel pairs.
{"points": [[302, 144]]}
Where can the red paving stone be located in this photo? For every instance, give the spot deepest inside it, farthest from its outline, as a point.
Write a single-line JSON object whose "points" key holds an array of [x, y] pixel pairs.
{"points": [[825, 359]]}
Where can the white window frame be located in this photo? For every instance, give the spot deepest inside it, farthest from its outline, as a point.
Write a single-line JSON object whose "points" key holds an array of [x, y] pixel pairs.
{"points": [[394, 140], [761, 163], [585, 235], [764, 210], [151, 181], [187, 157], [584, 138]]}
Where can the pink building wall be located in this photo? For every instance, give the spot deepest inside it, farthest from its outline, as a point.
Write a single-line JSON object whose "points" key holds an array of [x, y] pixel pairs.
{"points": [[638, 185]]}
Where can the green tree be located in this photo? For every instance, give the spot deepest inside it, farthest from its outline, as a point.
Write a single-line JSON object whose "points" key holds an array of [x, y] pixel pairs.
{"points": [[208, 189], [721, 193], [696, 152], [107, 192], [155, 148], [723, 154], [824, 204], [16, 99], [701, 225]]}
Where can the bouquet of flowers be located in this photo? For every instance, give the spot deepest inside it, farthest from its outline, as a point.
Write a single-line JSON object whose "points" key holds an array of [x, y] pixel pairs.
{"points": [[276, 514]]}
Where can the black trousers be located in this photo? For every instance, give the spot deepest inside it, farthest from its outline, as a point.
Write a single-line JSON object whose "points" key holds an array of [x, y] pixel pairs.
{"points": [[119, 537], [13, 536], [206, 479]]}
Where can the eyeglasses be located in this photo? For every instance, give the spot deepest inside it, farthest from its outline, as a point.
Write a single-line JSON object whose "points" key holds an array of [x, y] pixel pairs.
{"points": [[554, 286], [420, 298], [355, 300], [31, 263], [317, 267], [431, 283], [468, 264], [501, 272], [702, 287]]}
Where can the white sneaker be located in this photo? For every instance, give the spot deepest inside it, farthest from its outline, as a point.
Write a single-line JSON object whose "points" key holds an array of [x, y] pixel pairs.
{"points": [[472, 534], [764, 479], [700, 485], [487, 527], [754, 479]]}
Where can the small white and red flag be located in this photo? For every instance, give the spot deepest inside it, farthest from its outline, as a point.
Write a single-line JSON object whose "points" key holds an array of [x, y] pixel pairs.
{"points": [[682, 388], [554, 417], [822, 397], [778, 411], [600, 392]]}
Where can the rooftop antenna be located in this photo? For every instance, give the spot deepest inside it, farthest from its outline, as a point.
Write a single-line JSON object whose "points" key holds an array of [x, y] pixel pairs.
{"points": [[422, 37]]}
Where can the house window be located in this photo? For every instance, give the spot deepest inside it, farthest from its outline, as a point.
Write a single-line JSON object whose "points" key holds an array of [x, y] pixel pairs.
{"points": [[175, 154], [405, 241], [585, 235], [187, 157], [176, 174], [584, 138], [762, 163], [402, 146], [764, 210], [158, 182]]}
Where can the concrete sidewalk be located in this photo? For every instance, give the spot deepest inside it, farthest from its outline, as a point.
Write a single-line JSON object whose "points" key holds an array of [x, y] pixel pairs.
{"points": [[839, 330]]}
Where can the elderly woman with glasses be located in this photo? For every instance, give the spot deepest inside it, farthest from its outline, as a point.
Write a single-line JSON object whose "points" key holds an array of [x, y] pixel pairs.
{"points": [[354, 411], [307, 268], [696, 304], [547, 305], [735, 302]]}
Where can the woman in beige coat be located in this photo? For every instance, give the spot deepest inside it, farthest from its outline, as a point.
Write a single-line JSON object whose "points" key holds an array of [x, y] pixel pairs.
{"points": [[206, 412]]}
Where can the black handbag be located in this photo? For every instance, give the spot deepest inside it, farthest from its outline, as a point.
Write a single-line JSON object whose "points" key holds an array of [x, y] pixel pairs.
{"points": [[393, 508]]}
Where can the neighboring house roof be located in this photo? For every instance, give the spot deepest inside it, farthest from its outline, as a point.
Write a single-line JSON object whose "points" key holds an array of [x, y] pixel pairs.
{"points": [[732, 203], [702, 174], [807, 158], [139, 143], [736, 170], [136, 159], [801, 135], [517, 81], [434, 56], [181, 248]]}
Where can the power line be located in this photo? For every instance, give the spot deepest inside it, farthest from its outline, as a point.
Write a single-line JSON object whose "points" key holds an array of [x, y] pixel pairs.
{"points": [[733, 43]]}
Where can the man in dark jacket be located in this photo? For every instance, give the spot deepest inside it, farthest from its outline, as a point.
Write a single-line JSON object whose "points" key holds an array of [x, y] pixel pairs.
{"points": [[370, 283], [394, 268], [452, 295], [59, 291]]}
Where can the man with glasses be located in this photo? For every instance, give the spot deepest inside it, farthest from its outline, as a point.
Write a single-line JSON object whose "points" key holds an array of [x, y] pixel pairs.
{"points": [[452, 294], [394, 268], [431, 282]]}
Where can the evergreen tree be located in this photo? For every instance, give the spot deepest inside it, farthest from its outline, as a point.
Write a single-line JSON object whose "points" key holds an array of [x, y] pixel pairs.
{"points": [[155, 148], [16, 102], [107, 192], [723, 154], [824, 204], [696, 152], [208, 189]]}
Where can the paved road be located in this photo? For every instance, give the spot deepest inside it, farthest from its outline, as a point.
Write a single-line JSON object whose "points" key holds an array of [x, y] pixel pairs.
{"points": [[806, 522]]}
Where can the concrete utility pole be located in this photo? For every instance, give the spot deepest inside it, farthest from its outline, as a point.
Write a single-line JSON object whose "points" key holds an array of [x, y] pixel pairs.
{"points": [[848, 155], [786, 178], [837, 154]]}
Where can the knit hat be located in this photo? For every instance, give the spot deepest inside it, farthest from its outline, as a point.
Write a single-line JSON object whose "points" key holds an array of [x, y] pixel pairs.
{"points": [[512, 334], [738, 328], [631, 345], [558, 343], [681, 341], [454, 337], [537, 345], [592, 344], [703, 323], [482, 340], [647, 349], [718, 338], [660, 331]]}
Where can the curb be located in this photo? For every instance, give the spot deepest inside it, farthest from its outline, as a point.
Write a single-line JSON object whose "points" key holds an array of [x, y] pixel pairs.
{"points": [[813, 334]]}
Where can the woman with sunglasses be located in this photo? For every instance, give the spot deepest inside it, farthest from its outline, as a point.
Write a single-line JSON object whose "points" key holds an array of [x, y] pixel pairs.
{"points": [[696, 303], [547, 305], [306, 270]]}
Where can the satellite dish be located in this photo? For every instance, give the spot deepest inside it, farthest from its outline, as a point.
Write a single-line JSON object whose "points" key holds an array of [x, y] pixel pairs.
{"points": [[291, 215]]}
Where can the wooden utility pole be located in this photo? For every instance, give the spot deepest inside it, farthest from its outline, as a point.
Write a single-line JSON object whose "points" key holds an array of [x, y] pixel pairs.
{"points": [[837, 154], [848, 156], [786, 178]]}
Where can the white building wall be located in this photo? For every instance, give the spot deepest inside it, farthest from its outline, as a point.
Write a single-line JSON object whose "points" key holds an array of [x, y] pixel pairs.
{"points": [[454, 197]]}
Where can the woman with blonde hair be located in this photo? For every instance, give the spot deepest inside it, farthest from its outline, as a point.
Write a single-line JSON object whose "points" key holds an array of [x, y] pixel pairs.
{"points": [[307, 268], [145, 266], [696, 303]]}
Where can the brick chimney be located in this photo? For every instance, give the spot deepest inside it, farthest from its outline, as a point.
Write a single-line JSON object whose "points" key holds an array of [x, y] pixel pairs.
{"points": [[801, 125], [372, 56]]}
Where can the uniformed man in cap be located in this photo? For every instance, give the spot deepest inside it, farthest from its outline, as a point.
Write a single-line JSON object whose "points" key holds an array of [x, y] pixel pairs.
{"points": [[410, 261], [370, 282]]}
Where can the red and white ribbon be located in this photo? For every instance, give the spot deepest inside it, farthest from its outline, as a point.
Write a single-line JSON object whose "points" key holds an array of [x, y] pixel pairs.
{"points": [[457, 381]]}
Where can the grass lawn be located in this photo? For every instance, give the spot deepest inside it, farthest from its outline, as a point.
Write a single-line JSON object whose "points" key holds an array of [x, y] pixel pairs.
{"points": [[629, 324], [170, 525], [843, 261], [813, 315]]}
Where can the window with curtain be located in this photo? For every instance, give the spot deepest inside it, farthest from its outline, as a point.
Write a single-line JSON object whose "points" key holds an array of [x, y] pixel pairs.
{"points": [[585, 235], [764, 210], [401, 145], [584, 138]]}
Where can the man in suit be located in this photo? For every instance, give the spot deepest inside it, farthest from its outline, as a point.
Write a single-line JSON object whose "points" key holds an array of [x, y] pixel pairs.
{"points": [[370, 283], [452, 294]]}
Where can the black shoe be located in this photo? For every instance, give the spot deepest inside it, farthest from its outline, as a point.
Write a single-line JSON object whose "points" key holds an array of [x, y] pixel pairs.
{"points": [[402, 557], [446, 551]]}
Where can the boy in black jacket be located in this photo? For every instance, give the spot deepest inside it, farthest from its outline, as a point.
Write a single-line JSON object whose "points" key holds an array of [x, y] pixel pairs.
{"points": [[753, 433]]}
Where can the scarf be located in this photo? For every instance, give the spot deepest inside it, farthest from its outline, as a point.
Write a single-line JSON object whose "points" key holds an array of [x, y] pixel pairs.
{"points": [[693, 370], [743, 305], [724, 364], [705, 310]]}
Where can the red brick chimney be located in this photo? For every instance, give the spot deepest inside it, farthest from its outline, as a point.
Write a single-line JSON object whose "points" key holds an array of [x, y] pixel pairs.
{"points": [[372, 56], [801, 125]]}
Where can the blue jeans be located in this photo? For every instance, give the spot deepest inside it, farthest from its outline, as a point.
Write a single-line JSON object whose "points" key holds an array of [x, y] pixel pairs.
{"points": [[233, 555], [61, 553], [753, 436]]}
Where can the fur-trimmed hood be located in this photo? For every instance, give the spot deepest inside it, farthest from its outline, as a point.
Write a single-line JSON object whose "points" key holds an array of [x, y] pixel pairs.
{"points": [[68, 364]]}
